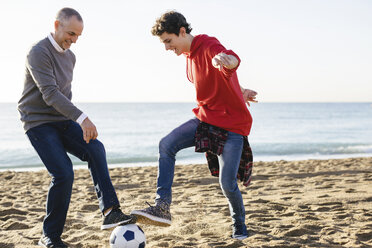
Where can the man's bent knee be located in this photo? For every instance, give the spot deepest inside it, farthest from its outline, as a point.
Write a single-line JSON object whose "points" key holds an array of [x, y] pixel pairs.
{"points": [[166, 147], [66, 178]]}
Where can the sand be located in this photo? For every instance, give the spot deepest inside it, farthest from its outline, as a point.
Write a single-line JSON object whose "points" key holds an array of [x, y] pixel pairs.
{"points": [[312, 203]]}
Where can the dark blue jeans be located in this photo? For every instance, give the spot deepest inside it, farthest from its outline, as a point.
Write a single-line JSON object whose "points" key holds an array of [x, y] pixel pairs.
{"points": [[183, 137], [52, 141]]}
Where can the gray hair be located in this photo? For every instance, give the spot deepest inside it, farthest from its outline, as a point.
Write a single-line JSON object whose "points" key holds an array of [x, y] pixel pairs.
{"points": [[65, 14]]}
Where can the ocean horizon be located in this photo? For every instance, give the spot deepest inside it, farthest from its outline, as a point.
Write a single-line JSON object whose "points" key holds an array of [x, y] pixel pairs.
{"points": [[131, 132]]}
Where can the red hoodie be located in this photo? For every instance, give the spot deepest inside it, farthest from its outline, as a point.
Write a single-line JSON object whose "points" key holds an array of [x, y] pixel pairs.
{"points": [[219, 98]]}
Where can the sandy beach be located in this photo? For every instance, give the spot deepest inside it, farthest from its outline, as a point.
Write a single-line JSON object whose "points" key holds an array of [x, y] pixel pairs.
{"points": [[311, 203]]}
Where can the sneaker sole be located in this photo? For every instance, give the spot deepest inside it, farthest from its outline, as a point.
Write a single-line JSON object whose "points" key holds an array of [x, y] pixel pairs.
{"points": [[40, 244], [240, 237], [130, 221], [145, 218]]}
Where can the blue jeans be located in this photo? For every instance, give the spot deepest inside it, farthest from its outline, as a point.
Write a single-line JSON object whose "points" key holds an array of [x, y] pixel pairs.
{"points": [[51, 141], [183, 137]]}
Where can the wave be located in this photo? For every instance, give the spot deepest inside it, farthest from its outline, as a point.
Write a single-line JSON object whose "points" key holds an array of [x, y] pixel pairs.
{"points": [[314, 148], [261, 152]]}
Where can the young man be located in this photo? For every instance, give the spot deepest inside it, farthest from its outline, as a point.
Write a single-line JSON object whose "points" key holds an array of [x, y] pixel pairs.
{"points": [[221, 110], [51, 123]]}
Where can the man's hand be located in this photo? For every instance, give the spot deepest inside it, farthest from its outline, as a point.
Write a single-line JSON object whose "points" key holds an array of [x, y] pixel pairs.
{"points": [[249, 95], [224, 60], [89, 130]]}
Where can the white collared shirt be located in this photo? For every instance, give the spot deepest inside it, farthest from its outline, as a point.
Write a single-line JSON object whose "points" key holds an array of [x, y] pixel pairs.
{"points": [[59, 49], [55, 44]]}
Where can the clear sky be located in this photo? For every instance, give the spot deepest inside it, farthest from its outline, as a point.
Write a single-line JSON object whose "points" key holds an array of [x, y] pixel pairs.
{"points": [[291, 50]]}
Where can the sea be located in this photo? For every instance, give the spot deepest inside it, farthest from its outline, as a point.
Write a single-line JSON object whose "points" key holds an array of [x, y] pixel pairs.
{"points": [[131, 132]]}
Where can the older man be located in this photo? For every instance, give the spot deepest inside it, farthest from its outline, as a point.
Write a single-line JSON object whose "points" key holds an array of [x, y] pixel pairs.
{"points": [[55, 126]]}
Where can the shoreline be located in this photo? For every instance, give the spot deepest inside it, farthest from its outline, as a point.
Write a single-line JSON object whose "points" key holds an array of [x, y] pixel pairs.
{"points": [[305, 203], [273, 159]]}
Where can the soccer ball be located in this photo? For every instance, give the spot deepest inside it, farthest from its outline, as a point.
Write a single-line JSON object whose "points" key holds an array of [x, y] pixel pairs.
{"points": [[128, 236]]}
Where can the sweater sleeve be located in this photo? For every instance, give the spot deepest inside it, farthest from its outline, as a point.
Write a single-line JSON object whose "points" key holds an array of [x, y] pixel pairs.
{"points": [[40, 66], [217, 48]]}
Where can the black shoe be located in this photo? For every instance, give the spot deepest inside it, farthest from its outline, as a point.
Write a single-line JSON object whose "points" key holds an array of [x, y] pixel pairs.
{"points": [[45, 241], [240, 232], [158, 215], [116, 218]]}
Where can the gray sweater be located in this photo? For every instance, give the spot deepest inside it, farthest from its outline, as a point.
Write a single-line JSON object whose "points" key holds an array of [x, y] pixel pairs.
{"points": [[47, 92]]}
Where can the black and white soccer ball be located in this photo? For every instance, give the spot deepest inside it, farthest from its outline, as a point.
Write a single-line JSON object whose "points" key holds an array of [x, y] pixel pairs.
{"points": [[127, 236]]}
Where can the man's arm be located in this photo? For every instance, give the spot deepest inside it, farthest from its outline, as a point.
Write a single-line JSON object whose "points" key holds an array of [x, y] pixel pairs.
{"points": [[248, 95], [41, 70], [225, 60], [89, 129], [40, 67], [231, 62]]}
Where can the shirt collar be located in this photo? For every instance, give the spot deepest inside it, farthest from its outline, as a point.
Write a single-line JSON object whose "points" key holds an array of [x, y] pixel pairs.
{"points": [[55, 44]]}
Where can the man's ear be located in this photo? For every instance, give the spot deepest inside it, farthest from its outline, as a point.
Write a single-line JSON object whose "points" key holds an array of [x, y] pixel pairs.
{"points": [[56, 25], [182, 31]]}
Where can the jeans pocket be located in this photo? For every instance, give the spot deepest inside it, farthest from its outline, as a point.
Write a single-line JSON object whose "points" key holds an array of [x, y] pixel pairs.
{"points": [[234, 136]]}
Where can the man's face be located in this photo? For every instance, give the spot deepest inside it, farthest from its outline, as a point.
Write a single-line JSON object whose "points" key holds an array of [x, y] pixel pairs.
{"points": [[68, 31], [173, 42]]}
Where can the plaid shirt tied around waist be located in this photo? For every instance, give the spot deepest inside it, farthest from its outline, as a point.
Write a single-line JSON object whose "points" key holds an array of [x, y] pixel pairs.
{"points": [[211, 140]]}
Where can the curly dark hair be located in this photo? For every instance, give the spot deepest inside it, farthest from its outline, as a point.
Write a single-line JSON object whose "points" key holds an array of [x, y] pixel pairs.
{"points": [[170, 22]]}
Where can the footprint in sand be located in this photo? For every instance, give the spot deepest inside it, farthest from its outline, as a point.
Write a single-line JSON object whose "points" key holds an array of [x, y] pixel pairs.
{"points": [[288, 214], [328, 186], [89, 208], [13, 217], [350, 190], [341, 216], [37, 210], [259, 201], [303, 230], [303, 207], [11, 225], [278, 206], [12, 211], [6, 204], [322, 209], [286, 198], [365, 236], [311, 217], [332, 204], [323, 196]]}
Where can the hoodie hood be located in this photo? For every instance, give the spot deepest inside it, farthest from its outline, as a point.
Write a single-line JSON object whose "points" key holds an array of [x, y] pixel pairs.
{"points": [[196, 43]]}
